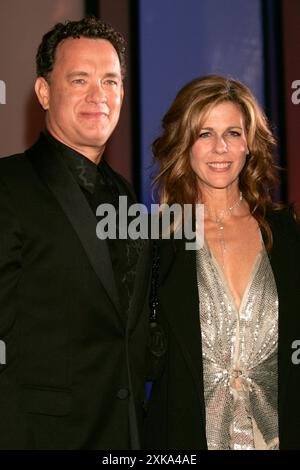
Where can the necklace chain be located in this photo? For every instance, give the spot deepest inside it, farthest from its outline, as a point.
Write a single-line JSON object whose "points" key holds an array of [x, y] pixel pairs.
{"points": [[218, 220]]}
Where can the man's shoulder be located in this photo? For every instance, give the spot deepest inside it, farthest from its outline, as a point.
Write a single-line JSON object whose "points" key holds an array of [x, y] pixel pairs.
{"points": [[123, 184], [9, 161], [110, 171], [16, 171], [13, 166], [19, 163]]}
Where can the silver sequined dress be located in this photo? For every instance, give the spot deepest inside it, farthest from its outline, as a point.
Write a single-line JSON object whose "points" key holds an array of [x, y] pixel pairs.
{"points": [[239, 350]]}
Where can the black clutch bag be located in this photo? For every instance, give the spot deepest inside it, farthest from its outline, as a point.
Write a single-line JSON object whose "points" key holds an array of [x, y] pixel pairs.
{"points": [[157, 340]]}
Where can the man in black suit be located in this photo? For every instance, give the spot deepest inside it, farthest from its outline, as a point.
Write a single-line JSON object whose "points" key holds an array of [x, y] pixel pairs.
{"points": [[72, 306]]}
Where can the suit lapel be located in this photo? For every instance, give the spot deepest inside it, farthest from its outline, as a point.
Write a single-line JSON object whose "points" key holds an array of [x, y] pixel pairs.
{"points": [[138, 257], [142, 275], [180, 302], [59, 180]]}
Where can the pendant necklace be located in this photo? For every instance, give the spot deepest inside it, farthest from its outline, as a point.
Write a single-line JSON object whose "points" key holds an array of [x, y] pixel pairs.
{"points": [[218, 220]]}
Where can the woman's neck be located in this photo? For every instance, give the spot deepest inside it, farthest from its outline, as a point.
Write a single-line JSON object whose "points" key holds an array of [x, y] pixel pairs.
{"points": [[220, 200]]}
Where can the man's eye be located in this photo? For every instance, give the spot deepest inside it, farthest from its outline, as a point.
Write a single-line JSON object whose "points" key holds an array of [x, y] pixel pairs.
{"points": [[111, 82], [79, 81]]}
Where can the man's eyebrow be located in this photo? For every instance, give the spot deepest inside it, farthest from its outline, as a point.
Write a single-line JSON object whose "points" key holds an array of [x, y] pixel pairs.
{"points": [[112, 75], [77, 73], [82, 73]]}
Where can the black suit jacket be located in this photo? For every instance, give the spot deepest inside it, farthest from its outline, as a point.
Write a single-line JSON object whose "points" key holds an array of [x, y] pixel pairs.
{"points": [[74, 371], [176, 415]]}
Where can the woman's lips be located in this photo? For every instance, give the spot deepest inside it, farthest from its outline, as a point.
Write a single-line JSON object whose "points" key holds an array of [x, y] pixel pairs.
{"points": [[219, 166]]}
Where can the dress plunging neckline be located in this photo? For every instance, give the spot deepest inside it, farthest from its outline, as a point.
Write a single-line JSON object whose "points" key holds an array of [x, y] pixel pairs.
{"points": [[224, 279]]}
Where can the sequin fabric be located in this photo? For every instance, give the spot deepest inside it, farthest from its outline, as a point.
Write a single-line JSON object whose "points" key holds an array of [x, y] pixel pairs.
{"points": [[239, 350]]}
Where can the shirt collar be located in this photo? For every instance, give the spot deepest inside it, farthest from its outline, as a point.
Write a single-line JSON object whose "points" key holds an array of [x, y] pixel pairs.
{"points": [[84, 170]]}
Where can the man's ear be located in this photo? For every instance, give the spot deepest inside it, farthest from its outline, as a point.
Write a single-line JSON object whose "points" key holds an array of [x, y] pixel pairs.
{"points": [[122, 93], [42, 92]]}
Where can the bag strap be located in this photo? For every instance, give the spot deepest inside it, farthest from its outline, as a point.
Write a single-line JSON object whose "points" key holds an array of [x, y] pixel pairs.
{"points": [[157, 337], [154, 284]]}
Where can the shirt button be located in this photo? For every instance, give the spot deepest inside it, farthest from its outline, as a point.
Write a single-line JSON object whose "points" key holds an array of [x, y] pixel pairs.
{"points": [[123, 393]]}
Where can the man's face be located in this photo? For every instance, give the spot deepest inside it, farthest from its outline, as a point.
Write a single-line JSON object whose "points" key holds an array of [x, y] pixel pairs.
{"points": [[83, 94]]}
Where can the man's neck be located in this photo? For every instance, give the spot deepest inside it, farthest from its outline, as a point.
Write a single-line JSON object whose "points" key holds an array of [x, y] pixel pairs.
{"points": [[92, 154]]}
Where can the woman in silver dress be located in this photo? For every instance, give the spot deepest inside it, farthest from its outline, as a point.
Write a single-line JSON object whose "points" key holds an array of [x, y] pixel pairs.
{"points": [[231, 310]]}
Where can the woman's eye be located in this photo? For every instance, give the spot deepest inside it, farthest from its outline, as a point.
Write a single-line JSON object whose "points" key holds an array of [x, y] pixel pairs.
{"points": [[204, 135], [234, 133]]}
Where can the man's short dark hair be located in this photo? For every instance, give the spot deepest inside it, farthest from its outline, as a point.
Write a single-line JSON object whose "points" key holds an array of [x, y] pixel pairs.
{"points": [[89, 27]]}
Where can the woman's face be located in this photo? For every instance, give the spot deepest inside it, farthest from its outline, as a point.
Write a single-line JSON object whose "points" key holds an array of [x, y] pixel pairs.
{"points": [[219, 154]]}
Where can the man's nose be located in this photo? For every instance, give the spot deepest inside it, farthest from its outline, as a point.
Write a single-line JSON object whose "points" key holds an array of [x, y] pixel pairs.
{"points": [[96, 93], [220, 145]]}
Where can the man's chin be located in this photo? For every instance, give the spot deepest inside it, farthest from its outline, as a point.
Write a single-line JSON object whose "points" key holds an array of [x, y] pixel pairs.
{"points": [[95, 139]]}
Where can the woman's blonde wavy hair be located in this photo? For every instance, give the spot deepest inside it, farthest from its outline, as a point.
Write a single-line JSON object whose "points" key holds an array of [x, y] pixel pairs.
{"points": [[176, 181]]}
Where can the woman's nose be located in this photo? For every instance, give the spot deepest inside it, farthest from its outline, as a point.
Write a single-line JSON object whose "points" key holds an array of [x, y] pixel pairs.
{"points": [[220, 145]]}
